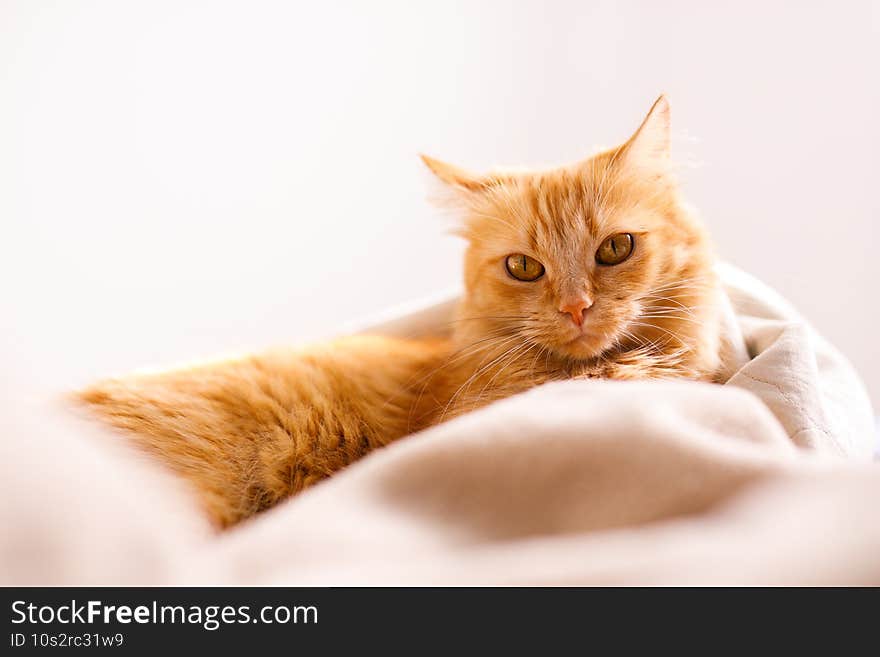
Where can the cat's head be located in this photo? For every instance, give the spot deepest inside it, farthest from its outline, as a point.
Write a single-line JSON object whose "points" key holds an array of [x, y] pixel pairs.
{"points": [[584, 258]]}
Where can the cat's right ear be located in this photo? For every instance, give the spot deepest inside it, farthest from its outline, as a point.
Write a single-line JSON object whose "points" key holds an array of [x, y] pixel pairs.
{"points": [[648, 148], [454, 176]]}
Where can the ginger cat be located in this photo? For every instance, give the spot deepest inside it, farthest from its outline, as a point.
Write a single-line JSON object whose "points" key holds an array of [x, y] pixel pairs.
{"points": [[590, 270]]}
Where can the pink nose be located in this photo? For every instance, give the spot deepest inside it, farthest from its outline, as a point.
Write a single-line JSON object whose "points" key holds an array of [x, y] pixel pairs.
{"points": [[577, 308]]}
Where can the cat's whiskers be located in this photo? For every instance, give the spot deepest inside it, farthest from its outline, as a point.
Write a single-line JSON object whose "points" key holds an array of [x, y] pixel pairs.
{"points": [[471, 353], [677, 318], [480, 370], [689, 284], [654, 305], [675, 311], [652, 298], [522, 351], [672, 334], [494, 339], [643, 341], [674, 314], [538, 354], [469, 350]]}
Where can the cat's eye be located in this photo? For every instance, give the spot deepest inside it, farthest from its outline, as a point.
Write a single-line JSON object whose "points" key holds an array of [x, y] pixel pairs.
{"points": [[523, 267], [615, 249]]}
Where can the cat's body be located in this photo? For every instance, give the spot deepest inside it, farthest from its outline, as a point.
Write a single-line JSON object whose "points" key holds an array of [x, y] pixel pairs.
{"points": [[592, 270]]}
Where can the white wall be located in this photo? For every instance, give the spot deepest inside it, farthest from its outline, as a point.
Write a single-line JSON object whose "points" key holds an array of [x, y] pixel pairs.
{"points": [[184, 178]]}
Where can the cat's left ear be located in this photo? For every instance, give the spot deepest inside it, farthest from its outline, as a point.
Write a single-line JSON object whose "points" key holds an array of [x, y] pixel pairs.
{"points": [[649, 146]]}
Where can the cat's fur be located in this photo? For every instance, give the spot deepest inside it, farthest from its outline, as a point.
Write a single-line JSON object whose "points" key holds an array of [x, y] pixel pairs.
{"points": [[252, 431]]}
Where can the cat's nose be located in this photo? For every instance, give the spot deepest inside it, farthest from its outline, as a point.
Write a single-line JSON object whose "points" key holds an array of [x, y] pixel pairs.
{"points": [[577, 308]]}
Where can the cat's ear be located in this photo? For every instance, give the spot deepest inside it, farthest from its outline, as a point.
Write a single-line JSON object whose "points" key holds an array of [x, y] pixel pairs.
{"points": [[462, 180], [454, 176], [649, 145]]}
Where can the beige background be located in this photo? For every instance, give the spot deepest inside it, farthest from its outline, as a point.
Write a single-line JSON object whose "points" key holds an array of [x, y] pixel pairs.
{"points": [[179, 179]]}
